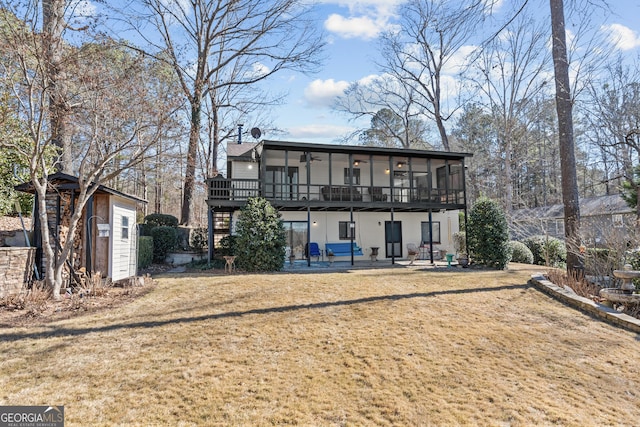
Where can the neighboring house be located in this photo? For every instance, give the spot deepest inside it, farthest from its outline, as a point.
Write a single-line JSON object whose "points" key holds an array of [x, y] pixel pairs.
{"points": [[106, 239], [603, 220], [376, 197]]}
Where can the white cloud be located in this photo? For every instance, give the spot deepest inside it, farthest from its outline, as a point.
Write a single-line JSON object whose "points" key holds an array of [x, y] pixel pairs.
{"points": [[348, 28], [314, 131], [459, 59], [321, 93], [82, 8], [365, 18], [259, 69], [624, 38]]}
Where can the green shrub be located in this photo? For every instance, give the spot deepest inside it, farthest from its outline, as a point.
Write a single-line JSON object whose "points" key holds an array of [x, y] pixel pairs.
{"points": [[260, 237], [520, 253], [226, 247], [488, 234], [157, 220], [165, 238], [460, 242], [199, 239], [160, 220], [145, 251], [547, 250]]}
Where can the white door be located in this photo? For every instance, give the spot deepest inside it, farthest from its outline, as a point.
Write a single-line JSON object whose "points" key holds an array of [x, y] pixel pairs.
{"points": [[123, 240]]}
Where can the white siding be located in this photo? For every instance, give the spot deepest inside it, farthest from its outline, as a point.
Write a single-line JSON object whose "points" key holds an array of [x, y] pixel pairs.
{"points": [[370, 228], [245, 170], [123, 242]]}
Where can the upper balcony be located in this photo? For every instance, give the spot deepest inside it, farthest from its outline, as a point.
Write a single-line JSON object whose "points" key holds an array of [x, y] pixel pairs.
{"points": [[296, 176]]}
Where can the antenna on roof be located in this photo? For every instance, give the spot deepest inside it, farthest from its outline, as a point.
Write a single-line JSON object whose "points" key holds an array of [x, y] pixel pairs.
{"points": [[256, 133]]}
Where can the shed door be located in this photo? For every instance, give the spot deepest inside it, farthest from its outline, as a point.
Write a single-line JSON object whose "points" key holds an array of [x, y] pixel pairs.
{"points": [[123, 242]]}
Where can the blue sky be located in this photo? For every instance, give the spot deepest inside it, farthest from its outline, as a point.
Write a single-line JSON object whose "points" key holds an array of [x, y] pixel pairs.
{"points": [[351, 28]]}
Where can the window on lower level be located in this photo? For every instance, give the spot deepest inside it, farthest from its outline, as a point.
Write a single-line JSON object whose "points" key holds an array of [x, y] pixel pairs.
{"points": [[425, 231], [346, 232]]}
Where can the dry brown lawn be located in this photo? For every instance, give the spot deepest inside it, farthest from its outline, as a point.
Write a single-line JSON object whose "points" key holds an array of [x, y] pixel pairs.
{"points": [[397, 346]]}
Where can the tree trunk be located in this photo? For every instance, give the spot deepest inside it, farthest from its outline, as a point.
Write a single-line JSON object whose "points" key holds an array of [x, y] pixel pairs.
{"points": [[570, 195], [53, 26], [190, 169]]}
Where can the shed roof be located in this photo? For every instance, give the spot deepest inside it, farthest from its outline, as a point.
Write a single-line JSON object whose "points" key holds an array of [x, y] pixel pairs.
{"points": [[65, 181]]}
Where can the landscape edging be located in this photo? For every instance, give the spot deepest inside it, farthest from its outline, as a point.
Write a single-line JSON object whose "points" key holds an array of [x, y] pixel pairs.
{"points": [[585, 304]]}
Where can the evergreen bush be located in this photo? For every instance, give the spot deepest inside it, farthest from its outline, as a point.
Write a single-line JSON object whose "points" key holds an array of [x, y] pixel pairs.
{"points": [[145, 251], [260, 238], [199, 239], [520, 252], [488, 234], [226, 247], [160, 220], [165, 238], [547, 250]]}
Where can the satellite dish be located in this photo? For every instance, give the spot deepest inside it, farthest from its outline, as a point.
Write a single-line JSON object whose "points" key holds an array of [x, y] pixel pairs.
{"points": [[256, 133]]}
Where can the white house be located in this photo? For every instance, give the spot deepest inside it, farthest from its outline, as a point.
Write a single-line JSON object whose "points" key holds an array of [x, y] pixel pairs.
{"points": [[374, 197]]}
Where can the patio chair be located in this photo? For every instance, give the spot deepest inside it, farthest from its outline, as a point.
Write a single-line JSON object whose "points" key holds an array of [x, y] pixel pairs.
{"points": [[413, 252], [314, 250]]}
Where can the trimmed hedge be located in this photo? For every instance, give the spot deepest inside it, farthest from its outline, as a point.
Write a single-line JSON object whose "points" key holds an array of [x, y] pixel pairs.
{"points": [[160, 220], [547, 247], [157, 220], [520, 253], [145, 251], [165, 238]]}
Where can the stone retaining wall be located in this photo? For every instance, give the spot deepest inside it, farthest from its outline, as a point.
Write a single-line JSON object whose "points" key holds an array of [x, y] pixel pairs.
{"points": [[16, 270], [585, 304]]}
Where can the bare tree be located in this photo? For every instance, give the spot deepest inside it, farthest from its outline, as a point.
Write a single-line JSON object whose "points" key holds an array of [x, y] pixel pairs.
{"points": [[206, 40], [432, 33], [395, 118], [564, 108], [510, 74], [614, 113], [112, 134]]}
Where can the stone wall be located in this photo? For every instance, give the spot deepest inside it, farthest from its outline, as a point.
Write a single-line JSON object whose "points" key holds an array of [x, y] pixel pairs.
{"points": [[17, 269]]}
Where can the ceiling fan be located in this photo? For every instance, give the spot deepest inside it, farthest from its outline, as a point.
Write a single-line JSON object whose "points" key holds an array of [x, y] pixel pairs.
{"points": [[356, 162], [303, 158]]}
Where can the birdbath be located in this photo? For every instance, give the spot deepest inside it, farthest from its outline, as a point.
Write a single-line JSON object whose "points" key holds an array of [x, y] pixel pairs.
{"points": [[627, 275], [626, 293]]}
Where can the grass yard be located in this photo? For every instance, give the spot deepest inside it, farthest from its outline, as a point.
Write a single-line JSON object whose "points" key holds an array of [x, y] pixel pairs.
{"points": [[397, 346]]}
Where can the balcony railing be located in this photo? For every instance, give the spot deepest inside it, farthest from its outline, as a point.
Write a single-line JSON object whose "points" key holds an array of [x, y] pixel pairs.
{"points": [[241, 189]]}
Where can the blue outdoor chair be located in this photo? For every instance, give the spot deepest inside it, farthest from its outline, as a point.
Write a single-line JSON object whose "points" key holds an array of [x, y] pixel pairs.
{"points": [[314, 250]]}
